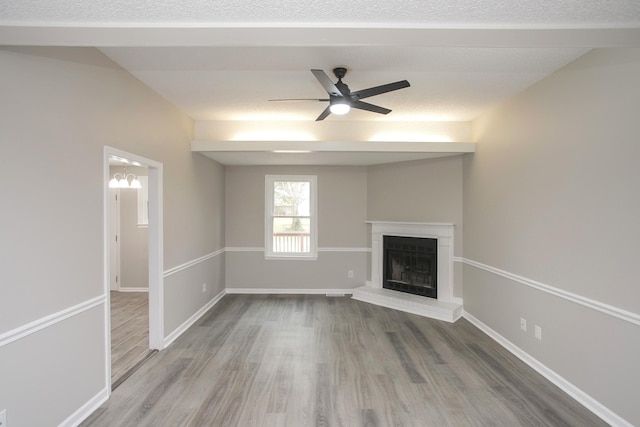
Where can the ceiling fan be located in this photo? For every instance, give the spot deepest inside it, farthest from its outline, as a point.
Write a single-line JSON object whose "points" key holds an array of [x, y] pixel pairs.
{"points": [[341, 99]]}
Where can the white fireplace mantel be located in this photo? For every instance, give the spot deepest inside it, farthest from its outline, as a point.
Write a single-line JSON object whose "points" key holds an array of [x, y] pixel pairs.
{"points": [[444, 308]]}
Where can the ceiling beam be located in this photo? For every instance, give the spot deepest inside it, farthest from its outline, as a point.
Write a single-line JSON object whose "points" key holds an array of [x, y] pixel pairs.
{"points": [[334, 146], [469, 36]]}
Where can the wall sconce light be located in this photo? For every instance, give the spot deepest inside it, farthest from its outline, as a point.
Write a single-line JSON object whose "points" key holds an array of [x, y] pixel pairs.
{"points": [[121, 180]]}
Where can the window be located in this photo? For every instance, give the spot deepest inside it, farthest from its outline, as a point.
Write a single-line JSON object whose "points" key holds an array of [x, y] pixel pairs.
{"points": [[291, 217]]}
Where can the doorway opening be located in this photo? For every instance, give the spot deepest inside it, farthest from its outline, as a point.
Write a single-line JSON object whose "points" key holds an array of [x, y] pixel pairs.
{"points": [[133, 265]]}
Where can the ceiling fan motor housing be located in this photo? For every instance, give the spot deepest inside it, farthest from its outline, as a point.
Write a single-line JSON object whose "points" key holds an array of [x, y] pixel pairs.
{"points": [[339, 72], [339, 100]]}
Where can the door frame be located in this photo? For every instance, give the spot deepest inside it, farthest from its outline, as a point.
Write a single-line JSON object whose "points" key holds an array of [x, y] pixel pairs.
{"points": [[156, 244], [114, 244]]}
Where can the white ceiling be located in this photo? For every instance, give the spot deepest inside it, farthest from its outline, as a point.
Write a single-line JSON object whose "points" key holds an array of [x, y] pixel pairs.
{"points": [[222, 60], [331, 12], [235, 83]]}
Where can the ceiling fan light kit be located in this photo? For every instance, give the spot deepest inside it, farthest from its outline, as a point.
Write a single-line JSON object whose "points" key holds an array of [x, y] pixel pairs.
{"points": [[339, 106], [342, 100]]}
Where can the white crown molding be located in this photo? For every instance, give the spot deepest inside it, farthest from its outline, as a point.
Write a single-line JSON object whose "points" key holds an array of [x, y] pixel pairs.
{"points": [[44, 322], [616, 312], [583, 398]]}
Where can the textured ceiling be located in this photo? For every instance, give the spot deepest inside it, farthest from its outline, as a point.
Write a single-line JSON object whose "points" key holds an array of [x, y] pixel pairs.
{"points": [[222, 60], [431, 12]]}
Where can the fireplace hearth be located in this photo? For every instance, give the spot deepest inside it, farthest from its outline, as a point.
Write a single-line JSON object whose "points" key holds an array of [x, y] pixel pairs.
{"points": [[411, 265], [430, 271]]}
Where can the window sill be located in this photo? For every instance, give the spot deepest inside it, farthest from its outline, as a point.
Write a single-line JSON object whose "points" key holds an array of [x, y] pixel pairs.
{"points": [[291, 257]]}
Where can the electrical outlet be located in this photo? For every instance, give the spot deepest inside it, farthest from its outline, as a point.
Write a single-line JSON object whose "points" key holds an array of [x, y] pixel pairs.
{"points": [[204, 287], [350, 274], [3, 418], [538, 332], [523, 324]]}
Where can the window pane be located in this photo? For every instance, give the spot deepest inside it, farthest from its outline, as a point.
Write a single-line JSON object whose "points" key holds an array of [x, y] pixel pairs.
{"points": [[291, 234], [291, 198], [291, 225], [290, 217]]}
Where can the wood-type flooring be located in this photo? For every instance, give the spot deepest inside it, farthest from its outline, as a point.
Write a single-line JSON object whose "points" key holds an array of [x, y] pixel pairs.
{"points": [[307, 360], [129, 331]]}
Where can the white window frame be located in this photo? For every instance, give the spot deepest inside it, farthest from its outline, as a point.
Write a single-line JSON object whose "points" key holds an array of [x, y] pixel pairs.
{"points": [[313, 217]]}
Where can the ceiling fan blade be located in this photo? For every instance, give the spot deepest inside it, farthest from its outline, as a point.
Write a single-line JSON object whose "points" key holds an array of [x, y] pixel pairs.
{"points": [[324, 114], [326, 83], [369, 107], [297, 99], [377, 90]]}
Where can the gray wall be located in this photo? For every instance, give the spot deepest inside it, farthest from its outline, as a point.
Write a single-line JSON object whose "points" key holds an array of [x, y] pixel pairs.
{"points": [[59, 107], [341, 224], [551, 195], [422, 191], [419, 191]]}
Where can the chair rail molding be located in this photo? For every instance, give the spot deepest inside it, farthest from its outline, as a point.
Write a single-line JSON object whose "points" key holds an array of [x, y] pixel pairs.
{"points": [[51, 319], [616, 312]]}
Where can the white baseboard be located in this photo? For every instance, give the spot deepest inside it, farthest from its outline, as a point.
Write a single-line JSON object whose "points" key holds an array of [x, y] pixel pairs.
{"points": [[610, 310], [132, 289], [87, 409], [191, 320], [276, 291], [583, 398]]}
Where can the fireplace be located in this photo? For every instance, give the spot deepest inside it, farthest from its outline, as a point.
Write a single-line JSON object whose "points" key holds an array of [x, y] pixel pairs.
{"points": [[410, 264], [430, 269]]}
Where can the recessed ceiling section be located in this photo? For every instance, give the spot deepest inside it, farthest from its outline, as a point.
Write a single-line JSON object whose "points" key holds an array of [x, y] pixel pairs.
{"points": [[343, 153], [255, 130]]}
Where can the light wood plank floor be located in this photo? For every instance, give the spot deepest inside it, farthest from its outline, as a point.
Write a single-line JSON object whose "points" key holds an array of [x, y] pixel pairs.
{"points": [[129, 331], [316, 361]]}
